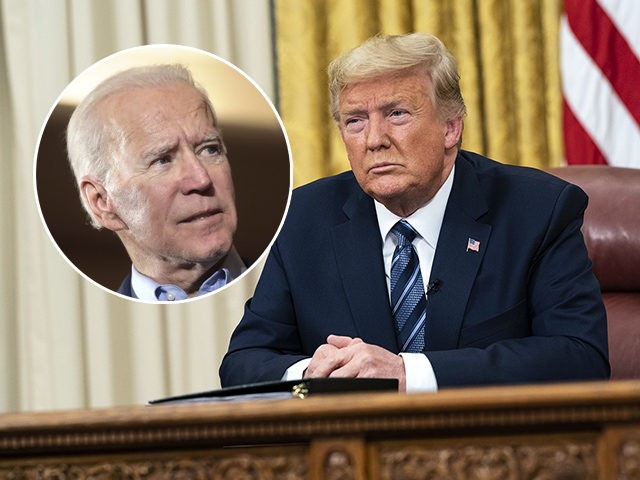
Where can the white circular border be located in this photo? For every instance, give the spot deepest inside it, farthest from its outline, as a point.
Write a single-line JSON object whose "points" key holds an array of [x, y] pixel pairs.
{"points": [[150, 47]]}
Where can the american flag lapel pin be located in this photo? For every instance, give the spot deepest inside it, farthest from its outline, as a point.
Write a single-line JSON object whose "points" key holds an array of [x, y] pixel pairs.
{"points": [[473, 244]]}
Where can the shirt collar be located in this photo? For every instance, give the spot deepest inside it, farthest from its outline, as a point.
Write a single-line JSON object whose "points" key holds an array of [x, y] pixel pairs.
{"points": [[148, 289], [427, 220]]}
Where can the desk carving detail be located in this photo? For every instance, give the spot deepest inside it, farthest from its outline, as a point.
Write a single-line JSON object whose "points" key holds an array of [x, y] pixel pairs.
{"points": [[241, 467], [567, 461], [630, 460]]}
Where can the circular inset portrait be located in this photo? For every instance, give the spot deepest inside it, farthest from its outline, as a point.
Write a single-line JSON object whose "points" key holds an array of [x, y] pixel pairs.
{"points": [[162, 173]]}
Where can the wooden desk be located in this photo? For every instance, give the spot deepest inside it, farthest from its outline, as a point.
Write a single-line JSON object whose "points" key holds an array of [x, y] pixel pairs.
{"points": [[569, 431]]}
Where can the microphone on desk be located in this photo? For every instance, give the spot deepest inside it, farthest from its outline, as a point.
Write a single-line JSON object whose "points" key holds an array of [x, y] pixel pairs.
{"points": [[434, 286]]}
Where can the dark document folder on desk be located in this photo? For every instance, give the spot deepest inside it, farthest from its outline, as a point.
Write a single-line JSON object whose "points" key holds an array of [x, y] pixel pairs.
{"points": [[285, 389]]}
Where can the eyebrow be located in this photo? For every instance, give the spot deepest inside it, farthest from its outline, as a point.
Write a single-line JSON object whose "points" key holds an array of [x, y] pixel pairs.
{"points": [[385, 106], [163, 150], [211, 137], [160, 151]]}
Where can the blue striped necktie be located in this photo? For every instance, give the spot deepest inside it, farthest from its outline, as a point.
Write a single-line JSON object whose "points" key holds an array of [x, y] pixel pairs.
{"points": [[408, 300]]}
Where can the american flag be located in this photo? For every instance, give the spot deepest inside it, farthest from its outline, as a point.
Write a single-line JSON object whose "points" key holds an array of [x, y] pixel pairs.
{"points": [[473, 244], [600, 66]]}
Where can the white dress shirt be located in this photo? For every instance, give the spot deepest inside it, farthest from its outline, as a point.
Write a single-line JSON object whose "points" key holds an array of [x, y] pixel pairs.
{"points": [[427, 221]]}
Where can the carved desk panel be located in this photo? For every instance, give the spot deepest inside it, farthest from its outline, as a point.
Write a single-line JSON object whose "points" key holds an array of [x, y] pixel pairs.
{"points": [[568, 431]]}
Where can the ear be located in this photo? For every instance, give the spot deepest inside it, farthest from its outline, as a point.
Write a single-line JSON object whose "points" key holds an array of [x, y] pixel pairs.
{"points": [[98, 200], [453, 133]]}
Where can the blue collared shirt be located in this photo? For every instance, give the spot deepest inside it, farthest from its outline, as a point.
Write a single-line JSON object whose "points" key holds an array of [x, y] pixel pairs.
{"points": [[148, 289]]}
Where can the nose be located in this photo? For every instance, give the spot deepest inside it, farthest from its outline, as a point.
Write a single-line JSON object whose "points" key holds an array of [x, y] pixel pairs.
{"points": [[195, 176], [377, 134]]}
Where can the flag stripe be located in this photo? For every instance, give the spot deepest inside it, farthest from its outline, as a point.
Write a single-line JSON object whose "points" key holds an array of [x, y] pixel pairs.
{"points": [[599, 36], [595, 105], [583, 150], [624, 14]]}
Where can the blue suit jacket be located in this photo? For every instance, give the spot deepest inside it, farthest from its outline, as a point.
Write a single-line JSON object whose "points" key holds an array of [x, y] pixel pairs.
{"points": [[524, 308]]}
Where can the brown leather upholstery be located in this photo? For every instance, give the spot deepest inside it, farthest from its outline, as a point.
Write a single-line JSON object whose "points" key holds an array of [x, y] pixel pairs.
{"points": [[612, 234]]}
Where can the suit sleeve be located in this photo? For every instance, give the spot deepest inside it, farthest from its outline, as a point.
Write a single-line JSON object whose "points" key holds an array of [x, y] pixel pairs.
{"points": [[563, 306], [263, 345]]}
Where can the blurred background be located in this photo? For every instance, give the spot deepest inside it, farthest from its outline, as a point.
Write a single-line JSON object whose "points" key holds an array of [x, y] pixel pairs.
{"points": [[538, 89]]}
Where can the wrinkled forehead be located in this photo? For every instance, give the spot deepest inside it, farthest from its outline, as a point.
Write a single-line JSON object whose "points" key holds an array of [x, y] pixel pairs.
{"points": [[136, 115], [170, 101], [386, 87]]}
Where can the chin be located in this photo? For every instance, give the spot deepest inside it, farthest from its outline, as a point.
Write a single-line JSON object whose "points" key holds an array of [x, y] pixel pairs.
{"points": [[386, 184], [385, 195], [200, 249], [213, 254]]}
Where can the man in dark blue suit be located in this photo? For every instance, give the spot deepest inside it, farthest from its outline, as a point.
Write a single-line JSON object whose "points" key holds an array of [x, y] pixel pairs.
{"points": [[510, 296]]}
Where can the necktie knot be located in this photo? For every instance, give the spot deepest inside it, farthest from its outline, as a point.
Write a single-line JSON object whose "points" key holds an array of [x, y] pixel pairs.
{"points": [[404, 232]]}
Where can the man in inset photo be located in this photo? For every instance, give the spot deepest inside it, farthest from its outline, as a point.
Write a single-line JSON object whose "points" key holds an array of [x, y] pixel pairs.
{"points": [[150, 163]]}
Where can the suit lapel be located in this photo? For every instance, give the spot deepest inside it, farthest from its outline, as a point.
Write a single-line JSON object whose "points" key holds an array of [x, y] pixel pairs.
{"points": [[358, 250], [454, 265]]}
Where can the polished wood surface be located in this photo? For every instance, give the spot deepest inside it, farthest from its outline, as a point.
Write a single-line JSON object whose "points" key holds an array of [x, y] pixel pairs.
{"points": [[581, 431]]}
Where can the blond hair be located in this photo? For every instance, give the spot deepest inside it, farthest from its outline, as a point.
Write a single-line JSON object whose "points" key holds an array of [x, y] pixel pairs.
{"points": [[384, 54]]}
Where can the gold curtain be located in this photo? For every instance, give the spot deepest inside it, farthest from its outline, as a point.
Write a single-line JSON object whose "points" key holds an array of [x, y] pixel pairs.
{"points": [[507, 52]]}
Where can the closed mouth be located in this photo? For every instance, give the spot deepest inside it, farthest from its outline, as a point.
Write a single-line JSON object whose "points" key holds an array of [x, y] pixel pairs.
{"points": [[379, 166], [200, 216]]}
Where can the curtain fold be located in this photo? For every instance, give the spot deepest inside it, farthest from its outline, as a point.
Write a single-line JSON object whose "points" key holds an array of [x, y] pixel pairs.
{"points": [[8, 307], [64, 342], [507, 55], [302, 91], [550, 15]]}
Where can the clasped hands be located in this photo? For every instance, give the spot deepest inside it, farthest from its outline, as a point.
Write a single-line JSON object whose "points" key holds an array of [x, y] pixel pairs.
{"points": [[351, 357]]}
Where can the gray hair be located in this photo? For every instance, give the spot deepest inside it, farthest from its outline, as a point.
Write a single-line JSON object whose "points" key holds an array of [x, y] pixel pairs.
{"points": [[92, 140], [383, 54]]}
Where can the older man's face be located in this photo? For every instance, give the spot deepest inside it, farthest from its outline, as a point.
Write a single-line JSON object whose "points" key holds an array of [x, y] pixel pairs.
{"points": [[400, 151], [174, 191]]}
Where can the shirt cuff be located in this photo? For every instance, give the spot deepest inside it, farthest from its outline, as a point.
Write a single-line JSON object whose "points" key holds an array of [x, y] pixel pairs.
{"points": [[296, 371], [419, 373]]}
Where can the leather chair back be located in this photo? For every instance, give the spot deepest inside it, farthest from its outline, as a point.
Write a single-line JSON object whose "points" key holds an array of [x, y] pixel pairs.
{"points": [[612, 234]]}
